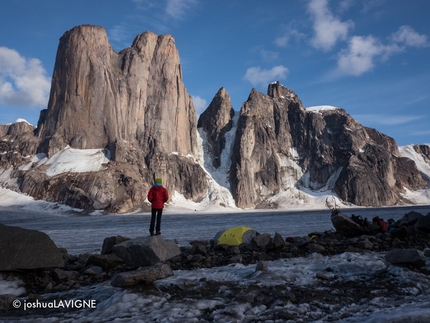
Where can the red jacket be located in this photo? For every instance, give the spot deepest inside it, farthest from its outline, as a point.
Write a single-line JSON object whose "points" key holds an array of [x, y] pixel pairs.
{"points": [[157, 195]]}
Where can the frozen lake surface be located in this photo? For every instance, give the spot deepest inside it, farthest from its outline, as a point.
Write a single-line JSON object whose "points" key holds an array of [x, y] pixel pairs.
{"points": [[85, 233]]}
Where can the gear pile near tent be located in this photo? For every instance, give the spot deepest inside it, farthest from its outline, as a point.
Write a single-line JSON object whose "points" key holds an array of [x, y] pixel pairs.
{"points": [[235, 236]]}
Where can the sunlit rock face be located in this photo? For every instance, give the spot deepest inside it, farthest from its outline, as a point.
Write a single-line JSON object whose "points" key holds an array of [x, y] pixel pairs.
{"points": [[134, 104], [333, 151], [100, 97]]}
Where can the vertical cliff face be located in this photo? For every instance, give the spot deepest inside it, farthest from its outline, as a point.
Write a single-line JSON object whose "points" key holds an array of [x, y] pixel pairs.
{"points": [[216, 121], [275, 134], [100, 98], [263, 143], [133, 103]]}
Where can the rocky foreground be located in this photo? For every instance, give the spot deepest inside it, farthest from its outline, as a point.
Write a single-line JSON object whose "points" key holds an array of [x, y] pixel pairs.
{"points": [[137, 263]]}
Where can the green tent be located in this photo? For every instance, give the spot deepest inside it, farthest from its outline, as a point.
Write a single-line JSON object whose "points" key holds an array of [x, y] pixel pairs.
{"points": [[235, 236]]}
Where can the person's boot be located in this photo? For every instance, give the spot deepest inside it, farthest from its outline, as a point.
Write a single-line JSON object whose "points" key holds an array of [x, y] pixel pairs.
{"points": [[152, 233], [158, 233]]}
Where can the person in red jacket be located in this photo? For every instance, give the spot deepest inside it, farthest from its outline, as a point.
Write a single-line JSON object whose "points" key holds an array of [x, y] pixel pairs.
{"points": [[157, 195]]}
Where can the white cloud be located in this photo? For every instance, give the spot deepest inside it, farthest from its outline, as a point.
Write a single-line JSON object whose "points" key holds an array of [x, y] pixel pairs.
{"points": [[421, 133], [282, 41], [387, 120], [177, 8], [199, 104], [256, 75], [23, 82], [345, 5], [373, 5], [268, 55], [328, 29], [359, 56], [410, 37], [288, 35], [361, 53], [118, 33]]}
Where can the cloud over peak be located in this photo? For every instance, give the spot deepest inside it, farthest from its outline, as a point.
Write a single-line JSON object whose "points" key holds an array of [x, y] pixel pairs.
{"points": [[178, 8], [328, 29], [257, 76], [410, 37], [362, 51], [23, 82]]}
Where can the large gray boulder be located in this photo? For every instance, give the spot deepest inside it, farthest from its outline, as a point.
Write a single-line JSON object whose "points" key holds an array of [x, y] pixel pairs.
{"points": [[27, 249], [345, 225], [146, 251], [144, 275], [109, 242], [411, 257], [423, 223]]}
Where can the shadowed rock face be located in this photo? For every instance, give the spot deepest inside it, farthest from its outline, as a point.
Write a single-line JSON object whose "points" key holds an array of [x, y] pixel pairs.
{"points": [[27, 249], [333, 151], [216, 121]]}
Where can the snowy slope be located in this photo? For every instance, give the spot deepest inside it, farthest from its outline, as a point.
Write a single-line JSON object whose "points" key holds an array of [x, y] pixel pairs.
{"points": [[423, 165]]}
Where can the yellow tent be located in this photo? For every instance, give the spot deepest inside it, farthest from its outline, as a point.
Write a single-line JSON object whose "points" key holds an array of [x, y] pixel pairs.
{"points": [[235, 236]]}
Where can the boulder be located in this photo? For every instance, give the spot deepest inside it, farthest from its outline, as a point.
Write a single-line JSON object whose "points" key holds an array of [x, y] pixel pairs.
{"points": [[104, 261], [345, 225], [27, 249], [6, 301], [423, 223], [109, 242], [276, 242], [411, 257], [142, 275], [314, 247], [146, 251], [261, 241], [262, 266], [409, 219]]}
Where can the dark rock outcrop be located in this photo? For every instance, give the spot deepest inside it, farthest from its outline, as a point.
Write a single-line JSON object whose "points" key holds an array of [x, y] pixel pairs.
{"points": [[145, 275], [27, 249], [411, 257], [216, 120], [359, 164], [17, 144], [146, 251]]}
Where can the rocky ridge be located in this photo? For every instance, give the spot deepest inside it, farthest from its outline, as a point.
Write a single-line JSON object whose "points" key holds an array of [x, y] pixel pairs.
{"points": [[278, 140], [133, 107]]}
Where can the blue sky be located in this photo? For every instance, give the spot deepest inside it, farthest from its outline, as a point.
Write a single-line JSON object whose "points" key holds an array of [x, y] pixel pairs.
{"points": [[369, 57]]}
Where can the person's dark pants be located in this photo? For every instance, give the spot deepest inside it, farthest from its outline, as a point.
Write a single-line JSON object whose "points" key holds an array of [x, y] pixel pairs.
{"points": [[155, 213]]}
